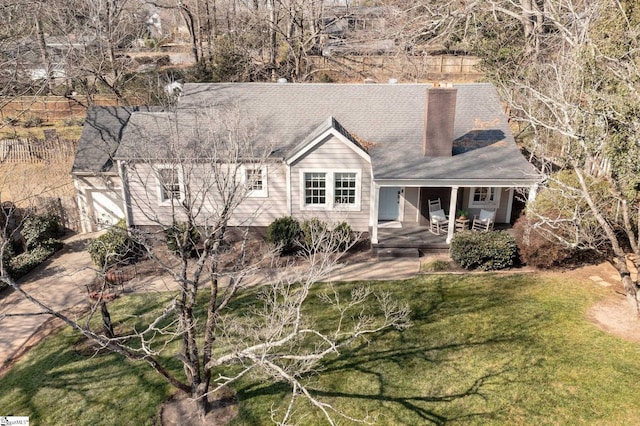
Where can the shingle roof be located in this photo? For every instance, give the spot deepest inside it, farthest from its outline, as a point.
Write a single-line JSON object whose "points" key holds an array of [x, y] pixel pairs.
{"points": [[387, 118], [101, 137]]}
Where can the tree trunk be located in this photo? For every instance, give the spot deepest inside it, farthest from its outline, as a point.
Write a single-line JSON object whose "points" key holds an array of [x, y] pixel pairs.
{"points": [[272, 35], [630, 287], [106, 320], [44, 56]]}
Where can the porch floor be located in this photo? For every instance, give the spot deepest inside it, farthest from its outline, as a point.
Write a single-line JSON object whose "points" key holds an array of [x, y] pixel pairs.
{"points": [[411, 235]]}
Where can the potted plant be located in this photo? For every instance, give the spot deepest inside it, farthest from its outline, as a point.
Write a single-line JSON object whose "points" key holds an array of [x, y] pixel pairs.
{"points": [[462, 214]]}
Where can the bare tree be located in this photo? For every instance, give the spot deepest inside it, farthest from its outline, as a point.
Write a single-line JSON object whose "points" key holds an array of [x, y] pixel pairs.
{"points": [[199, 164], [573, 89]]}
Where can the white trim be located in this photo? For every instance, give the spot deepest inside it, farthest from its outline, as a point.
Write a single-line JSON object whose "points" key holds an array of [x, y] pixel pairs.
{"points": [[482, 204], [533, 191], [126, 199], [323, 138], [453, 202], [167, 201], [288, 190], [330, 190], [401, 203], [373, 214], [436, 183], [262, 193], [418, 213]]}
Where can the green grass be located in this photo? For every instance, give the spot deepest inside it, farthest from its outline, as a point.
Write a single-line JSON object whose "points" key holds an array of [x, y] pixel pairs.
{"points": [[483, 349]]}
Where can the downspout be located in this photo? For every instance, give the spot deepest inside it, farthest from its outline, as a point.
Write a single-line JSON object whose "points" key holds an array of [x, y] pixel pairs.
{"points": [[126, 197], [289, 189]]}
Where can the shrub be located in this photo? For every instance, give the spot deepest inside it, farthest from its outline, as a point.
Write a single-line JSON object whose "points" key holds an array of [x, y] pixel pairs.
{"points": [[71, 121], [343, 235], [41, 229], [181, 240], [317, 235], [284, 232], [484, 250], [21, 264], [113, 247], [32, 121], [314, 233]]}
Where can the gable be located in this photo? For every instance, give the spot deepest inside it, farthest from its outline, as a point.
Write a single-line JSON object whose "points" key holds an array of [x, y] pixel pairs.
{"points": [[326, 131]]}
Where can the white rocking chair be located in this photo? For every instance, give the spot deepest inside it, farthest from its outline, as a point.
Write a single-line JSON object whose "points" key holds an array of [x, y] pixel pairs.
{"points": [[438, 220], [484, 221]]}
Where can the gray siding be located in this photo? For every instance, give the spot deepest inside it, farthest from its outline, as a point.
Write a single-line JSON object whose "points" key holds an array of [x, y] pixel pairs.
{"points": [[332, 155], [411, 200], [501, 211], [147, 209]]}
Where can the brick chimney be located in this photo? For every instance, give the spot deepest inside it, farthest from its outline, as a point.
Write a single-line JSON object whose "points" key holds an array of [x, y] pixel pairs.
{"points": [[439, 116]]}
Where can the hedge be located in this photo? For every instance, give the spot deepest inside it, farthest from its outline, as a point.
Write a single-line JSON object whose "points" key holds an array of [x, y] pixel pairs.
{"points": [[484, 250], [113, 247]]}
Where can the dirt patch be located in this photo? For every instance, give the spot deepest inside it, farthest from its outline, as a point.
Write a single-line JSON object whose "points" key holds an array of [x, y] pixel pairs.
{"points": [[614, 316], [180, 410]]}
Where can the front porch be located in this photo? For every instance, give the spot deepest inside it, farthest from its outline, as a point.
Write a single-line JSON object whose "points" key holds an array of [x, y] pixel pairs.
{"points": [[412, 235], [401, 212]]}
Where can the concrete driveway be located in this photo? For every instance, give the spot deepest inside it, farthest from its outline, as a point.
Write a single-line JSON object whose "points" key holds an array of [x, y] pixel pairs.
{"points": [[59, 283]]}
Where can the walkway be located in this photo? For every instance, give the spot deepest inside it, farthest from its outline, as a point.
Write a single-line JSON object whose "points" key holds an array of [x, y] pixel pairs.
{"points": [[60, 283]]}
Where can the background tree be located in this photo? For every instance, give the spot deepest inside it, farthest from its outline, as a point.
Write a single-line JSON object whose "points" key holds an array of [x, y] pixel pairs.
{"points": [[568, 72]]}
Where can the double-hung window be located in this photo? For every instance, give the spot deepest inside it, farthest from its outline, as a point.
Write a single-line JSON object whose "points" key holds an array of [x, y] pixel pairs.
{"points": [[169, 183], [484, 197], [256, 180], [344, 188], [339, 190], [315, 189]]}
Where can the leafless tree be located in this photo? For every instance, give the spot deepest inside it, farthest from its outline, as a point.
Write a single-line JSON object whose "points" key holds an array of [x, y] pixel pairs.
{"points": [[199, 164], [574, 90]]}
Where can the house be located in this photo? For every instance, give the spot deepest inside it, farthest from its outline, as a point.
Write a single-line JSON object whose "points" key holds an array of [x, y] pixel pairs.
{"points": [[370, 154], [96, 180]]}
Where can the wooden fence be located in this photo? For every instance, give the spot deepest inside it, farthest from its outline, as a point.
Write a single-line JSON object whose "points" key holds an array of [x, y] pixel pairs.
{"points": [[403, 68], [27, 150]]}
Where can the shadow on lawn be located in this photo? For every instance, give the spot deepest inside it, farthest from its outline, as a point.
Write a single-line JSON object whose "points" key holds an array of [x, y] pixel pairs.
{"points": [[63, 380], [400, 367]]}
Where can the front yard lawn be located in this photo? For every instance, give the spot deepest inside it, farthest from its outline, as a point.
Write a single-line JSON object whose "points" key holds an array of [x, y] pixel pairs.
{"points": [[483, 349]]}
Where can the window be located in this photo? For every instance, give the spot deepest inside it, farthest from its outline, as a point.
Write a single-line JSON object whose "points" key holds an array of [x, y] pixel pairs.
{"points": [[328, 189], [169, 182], [344, 188], [256, 180], [484, 197], [315, 188]]}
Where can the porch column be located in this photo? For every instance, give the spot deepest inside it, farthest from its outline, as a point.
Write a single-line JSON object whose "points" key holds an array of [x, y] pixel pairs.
{"points": [[533, 191], [375, 200], [452, 213]]}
